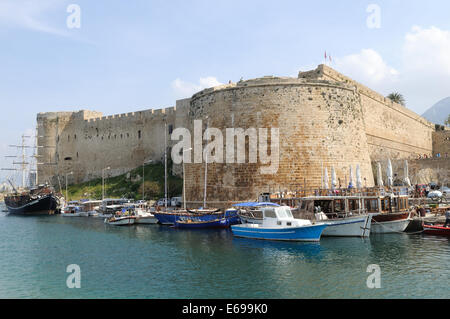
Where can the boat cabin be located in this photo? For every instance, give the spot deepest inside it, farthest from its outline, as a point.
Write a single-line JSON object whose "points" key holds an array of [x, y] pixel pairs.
{"points": [[281, 217], [343, 206]]}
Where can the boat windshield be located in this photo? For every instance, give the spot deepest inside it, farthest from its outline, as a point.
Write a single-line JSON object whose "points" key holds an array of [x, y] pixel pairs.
{"points": [[284, 212]]}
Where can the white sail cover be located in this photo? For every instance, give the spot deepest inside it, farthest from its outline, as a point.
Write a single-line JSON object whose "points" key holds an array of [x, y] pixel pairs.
{"points": [[350, 182], [358, 177], [379, 175], [325, 179], [406, 173], [390, 178], [333, 178]]}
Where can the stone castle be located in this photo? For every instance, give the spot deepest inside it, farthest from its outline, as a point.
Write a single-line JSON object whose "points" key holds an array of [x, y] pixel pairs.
{"points": [[325, 119]]}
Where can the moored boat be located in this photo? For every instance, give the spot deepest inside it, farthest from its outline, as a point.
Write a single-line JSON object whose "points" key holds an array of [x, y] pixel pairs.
{"points": [[279, 224], [120, 220], [230, 218], [169, 218], [37, 201], [344, 215], [436, 230]]}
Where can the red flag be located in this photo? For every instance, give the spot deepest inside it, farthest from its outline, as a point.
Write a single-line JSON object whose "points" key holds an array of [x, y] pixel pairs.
{"points": [[325, 55]]}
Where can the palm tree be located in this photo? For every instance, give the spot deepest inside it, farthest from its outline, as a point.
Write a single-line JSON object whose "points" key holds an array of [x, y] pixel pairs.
{"points": [[397, 98]]}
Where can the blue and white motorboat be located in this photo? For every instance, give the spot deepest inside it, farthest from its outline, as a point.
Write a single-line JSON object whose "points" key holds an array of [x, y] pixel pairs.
{"points": [[278, 223], [250, 212]]}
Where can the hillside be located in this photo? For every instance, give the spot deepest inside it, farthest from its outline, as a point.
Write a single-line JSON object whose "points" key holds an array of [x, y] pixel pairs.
{"points": [[439, 112], [129, 185]]}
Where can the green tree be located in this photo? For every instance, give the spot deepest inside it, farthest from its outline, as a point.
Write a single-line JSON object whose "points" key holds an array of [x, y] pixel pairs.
{"points": [[152, 189], [397, 98], [447, 121]]}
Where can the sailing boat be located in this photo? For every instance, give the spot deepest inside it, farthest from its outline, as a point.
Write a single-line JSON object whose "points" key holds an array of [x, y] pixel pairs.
{"points": [[35, 200], [201, 214]]}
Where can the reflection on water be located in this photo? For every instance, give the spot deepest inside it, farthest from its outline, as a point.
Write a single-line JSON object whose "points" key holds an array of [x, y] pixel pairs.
{"points": [[152, 261]]}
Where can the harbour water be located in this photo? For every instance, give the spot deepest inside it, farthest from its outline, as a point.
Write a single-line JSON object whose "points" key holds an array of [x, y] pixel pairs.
{"points": [[161, 262]]}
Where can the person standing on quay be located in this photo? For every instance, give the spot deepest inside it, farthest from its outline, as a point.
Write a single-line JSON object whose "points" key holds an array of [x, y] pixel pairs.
{"points": [[447, 218]]}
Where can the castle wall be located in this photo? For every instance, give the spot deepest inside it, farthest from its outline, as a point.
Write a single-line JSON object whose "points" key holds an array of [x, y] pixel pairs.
{"points": [[392, 130], [441, 143], [320, 123], [324, 118], [86, 143]]}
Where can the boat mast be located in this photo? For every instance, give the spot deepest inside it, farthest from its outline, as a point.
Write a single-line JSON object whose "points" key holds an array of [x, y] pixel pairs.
{"points": [[206, 167], [165, 163]]}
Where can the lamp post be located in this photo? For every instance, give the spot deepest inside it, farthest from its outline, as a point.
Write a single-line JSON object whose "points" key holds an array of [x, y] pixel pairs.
{"points": [[103, 182], [184, 180], [71, 173]]}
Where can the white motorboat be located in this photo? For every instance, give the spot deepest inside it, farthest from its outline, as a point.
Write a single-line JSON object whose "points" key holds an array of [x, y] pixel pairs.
{"points": [[120, 220], [146, 218], [279, 224], [71, 210]]}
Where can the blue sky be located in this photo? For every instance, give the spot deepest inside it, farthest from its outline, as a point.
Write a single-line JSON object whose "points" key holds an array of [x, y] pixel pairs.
{"points": [[133, 55]]}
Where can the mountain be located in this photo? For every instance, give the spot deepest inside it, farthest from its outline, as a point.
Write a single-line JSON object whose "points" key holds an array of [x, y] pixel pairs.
{"points": [[439, 112]]}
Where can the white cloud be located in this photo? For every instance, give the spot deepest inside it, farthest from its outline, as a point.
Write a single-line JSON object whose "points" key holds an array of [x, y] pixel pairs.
{"points": [[187, 89], [367, 67], [423, 75], [30, 15], [427, 50]]}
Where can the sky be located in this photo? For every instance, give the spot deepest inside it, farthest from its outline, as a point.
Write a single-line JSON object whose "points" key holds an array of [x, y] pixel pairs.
{"points": [[121, 56]]}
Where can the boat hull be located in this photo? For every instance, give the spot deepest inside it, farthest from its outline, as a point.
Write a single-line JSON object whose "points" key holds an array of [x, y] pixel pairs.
{"points": [[124, 221], [436, 230], [146, 220], [170, 218], [255, 231], [359, 226], [220, 223], [43, 206], [390, 223]]}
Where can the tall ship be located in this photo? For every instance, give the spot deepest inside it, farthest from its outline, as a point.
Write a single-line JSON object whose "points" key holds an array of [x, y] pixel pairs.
{"points": [[31, 198], [40, 200]]}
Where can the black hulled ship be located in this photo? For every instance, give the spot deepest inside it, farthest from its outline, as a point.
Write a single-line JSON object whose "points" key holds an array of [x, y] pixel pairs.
{"points": [[38, 201]]}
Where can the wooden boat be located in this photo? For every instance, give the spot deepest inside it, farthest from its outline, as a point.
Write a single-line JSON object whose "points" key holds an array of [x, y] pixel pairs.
{"points": [[279, 224], [169, 218], [437, 230], [230, 218], [344, 215], [389, 210]]}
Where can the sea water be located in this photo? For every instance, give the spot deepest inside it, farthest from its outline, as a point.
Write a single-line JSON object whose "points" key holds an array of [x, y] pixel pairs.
{"points": [[154, 261]]}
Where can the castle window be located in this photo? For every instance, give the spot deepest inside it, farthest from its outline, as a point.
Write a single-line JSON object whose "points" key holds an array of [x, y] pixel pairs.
{"points": [[139, 134], [128, 135], [68, 138], [170, 129], [97, 131], [68, 158], [75, 136], [77, 155]]}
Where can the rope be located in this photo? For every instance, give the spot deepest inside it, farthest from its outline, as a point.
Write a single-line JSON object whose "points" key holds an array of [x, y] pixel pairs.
{"points": [[398, 232]]}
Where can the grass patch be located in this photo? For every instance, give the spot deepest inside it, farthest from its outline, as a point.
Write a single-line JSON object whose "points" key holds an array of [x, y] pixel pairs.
{"points": [[129, 185]]}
